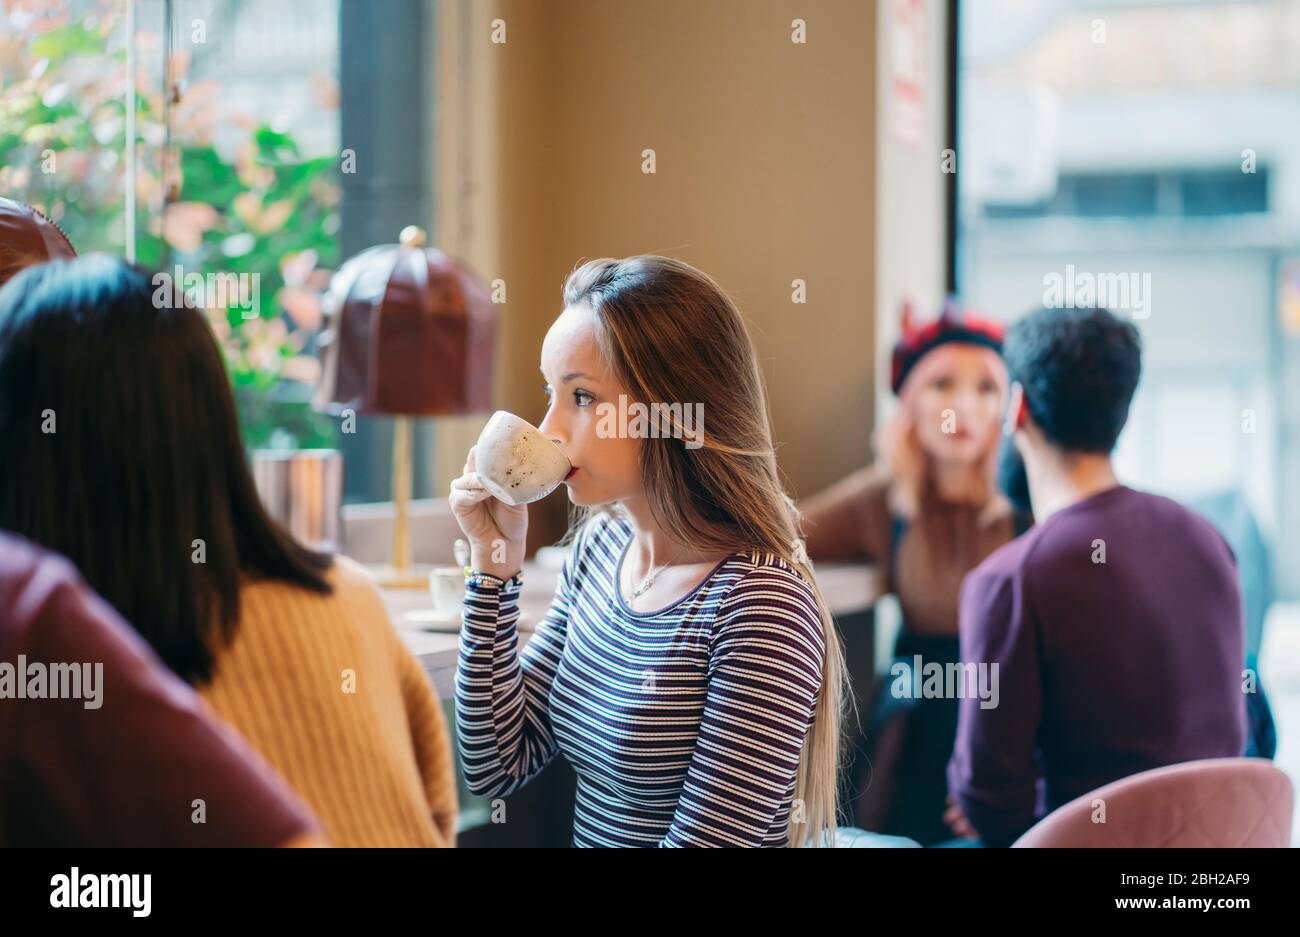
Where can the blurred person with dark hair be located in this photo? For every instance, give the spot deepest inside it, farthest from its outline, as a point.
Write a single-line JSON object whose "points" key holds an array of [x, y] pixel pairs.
{"points": [[1115, 623], [120, 449]]}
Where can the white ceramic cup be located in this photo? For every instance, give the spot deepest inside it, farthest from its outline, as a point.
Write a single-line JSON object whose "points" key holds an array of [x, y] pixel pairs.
{"points": [[447, 587], [515, 462]]}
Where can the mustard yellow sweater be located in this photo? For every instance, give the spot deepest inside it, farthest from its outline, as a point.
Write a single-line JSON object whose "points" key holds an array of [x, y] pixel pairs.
{"points": [[323, 687]]}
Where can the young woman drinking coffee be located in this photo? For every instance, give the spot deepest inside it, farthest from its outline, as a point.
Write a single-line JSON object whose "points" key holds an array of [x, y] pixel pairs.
{"points": [[928, 512], [687, 667]]}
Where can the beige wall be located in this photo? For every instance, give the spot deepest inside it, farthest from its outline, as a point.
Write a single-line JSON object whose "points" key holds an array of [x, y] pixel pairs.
{"points": [[910, 255], [766, 172]]}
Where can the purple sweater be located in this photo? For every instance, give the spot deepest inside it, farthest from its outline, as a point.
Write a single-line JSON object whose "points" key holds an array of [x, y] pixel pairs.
{"points": [[1105, 668]]}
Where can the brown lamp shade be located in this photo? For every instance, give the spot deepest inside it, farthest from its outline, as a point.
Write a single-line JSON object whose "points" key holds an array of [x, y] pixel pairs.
{"points": [[27, 237], [408, 332]]}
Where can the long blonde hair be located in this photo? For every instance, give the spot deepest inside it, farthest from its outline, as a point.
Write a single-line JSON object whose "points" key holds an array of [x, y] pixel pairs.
{"points": [[668, 332]]}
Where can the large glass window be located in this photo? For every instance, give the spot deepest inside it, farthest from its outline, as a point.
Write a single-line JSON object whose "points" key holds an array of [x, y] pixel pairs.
{"points": [[228, 180], [240, 114], [1159, 142]]}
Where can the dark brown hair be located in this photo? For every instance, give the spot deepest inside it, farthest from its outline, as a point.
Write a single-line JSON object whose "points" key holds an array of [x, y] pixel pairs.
{"points": [[120, 449]]}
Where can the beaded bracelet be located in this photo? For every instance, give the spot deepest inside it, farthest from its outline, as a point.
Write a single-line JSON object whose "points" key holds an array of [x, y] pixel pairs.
{"points": [[483, 579]]}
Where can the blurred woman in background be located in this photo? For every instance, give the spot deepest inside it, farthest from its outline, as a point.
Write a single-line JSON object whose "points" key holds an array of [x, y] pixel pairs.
{"points": [[927, 512], [120, 449]]}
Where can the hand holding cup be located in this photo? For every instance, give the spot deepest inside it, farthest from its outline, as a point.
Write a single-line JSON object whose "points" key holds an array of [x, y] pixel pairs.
{"points": [[512, 465]]}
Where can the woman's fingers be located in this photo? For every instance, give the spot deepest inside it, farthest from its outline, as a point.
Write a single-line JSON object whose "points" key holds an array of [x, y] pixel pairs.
{"points": [[468, 496], [467, 482], [463, 498], [467, 491]]}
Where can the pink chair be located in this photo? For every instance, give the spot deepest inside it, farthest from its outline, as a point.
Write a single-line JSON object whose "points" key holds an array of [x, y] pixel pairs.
{"points": [[1216, 802]]}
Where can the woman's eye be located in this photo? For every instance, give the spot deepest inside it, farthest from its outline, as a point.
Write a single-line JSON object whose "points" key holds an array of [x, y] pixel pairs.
{"points": [[582, 398], [988, 387], [943, 383]]}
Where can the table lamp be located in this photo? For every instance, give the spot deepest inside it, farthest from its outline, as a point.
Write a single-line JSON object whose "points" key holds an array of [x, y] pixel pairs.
{"points": [[409, 332], [27, 237]]}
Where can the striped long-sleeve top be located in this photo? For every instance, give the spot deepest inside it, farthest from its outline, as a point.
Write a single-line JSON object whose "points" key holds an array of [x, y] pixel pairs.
{"points": [[683, 725]]}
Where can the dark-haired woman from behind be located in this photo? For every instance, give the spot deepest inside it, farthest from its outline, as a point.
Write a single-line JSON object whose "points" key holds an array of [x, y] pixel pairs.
{"points": [[120, 449]]}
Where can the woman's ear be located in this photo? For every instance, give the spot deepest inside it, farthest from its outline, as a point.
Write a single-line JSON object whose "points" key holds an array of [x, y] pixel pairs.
{"points": [[1016, 409]]}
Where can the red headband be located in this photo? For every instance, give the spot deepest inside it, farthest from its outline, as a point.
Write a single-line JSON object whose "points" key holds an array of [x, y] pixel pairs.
{"points": [[953, 325]]}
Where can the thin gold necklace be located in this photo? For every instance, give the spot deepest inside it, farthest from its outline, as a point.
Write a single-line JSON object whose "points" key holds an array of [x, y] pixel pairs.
{"points": [[650, 581]]}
